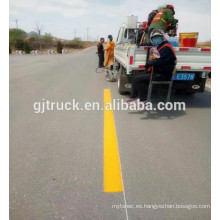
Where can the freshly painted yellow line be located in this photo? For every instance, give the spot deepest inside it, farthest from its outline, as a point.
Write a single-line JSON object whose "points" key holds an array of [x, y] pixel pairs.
{"points": [[112, 170]]}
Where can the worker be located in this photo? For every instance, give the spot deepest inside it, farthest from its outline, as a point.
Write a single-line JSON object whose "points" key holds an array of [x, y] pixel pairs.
{"points": [[163, 67], [141, 35], [109, 58], [100, 52], [151, 17], [164, 20]]}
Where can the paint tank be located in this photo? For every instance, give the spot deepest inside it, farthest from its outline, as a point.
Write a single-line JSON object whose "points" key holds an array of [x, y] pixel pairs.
{"points": [[131, 22]]}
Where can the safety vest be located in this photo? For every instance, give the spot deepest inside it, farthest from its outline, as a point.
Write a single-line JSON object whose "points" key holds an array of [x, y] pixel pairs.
{"points": [[167, 45], [158, 17]]}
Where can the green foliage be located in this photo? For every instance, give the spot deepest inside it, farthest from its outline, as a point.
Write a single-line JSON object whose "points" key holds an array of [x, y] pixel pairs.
{"points": [[32, 39], [77, 39], [16, 35], [77, 43], [19, 44], [9, 49], [27, 48], [47, 38], [59, 47]]}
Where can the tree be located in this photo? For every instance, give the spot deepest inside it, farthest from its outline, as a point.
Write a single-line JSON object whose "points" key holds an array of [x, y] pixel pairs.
{"points": [[16, 36], [47, 38], [39, 29], [59, 47], [9, 49], [27, 48]]}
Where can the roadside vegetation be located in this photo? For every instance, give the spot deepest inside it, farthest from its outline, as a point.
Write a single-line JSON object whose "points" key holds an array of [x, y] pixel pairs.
{"points": [[59, 47], [204, 44], [34, 40]]}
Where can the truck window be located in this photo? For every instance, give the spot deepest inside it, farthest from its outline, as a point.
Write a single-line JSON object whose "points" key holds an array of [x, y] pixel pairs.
{"points": [[120, 35], [129, 35]]}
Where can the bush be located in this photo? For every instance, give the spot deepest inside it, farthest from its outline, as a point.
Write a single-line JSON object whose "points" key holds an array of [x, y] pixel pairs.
{"points": [[47, 38], [59, 47], [77, 43], [16, 35], [19, 44], [27, 48], [9, 49], [32, 39]]}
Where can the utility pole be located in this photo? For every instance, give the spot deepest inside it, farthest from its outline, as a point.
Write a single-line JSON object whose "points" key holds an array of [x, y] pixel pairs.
{"points": [[16, 23], [74, 33], [87, 33]]}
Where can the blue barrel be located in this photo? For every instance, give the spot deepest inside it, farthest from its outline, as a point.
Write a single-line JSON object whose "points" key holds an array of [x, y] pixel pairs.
{"points": [[174, 41]]}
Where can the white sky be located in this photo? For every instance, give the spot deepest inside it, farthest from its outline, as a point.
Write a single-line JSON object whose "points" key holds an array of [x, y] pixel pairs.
{"points": [[62, 18]]}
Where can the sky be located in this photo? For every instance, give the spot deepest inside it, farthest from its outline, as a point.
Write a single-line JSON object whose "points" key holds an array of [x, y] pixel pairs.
{"points": [[67, 19]]}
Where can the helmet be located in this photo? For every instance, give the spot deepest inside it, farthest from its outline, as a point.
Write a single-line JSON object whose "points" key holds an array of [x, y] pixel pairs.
{"points": [[155, 33], [171, 7]]}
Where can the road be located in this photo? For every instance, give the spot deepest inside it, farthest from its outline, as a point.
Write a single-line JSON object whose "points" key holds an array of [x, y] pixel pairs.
{"points": [[56, 158]]}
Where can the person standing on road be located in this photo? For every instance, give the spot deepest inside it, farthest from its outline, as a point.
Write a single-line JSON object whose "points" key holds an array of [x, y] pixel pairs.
{"points": [[163, 67], [109, 59], [100, 52], [164, 20]]}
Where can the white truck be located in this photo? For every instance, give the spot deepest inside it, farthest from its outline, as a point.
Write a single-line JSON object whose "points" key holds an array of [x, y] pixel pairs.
{"points": [[193, 64]]}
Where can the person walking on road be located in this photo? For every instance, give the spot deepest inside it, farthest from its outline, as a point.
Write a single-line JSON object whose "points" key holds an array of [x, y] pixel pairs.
{"points": [[164, 20], [163, 67], [100, 52], [109, 59]]}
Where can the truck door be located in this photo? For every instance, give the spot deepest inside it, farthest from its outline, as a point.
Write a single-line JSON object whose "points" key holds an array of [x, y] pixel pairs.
{"points": [[120, 34]]}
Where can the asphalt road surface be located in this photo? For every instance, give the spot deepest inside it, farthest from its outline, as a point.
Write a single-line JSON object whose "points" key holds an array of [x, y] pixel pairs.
{"points": [[56, 158]]}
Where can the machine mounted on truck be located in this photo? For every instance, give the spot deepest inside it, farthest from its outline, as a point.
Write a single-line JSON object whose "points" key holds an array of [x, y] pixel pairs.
{"points": [[193, 63]]}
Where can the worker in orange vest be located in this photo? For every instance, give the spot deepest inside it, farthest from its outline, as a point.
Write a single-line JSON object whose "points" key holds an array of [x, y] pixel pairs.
{"points": [[164, 20], [151, 17], [109, 57]]}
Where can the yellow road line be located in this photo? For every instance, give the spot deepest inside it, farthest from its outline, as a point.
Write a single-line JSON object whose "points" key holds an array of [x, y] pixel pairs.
{"points": [[112, 170]]}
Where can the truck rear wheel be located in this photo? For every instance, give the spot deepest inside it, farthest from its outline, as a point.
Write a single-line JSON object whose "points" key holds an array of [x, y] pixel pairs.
{"points": [[122, 81]]}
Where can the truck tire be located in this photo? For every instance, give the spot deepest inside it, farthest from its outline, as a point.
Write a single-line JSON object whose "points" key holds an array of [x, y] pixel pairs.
{"points": [[122, 80]]}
